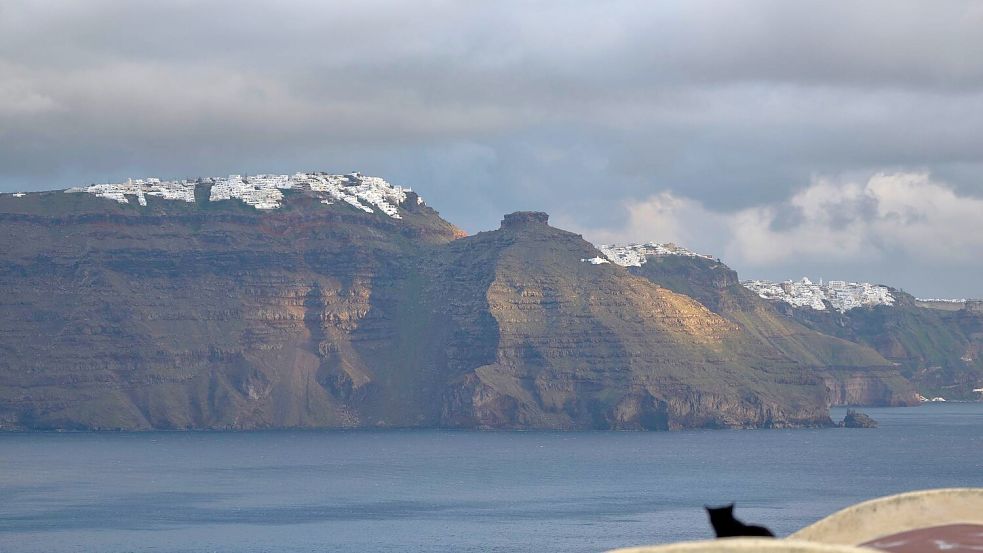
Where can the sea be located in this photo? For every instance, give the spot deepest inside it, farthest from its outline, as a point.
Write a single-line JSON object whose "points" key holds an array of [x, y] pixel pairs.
{"points": [[458, 491]]}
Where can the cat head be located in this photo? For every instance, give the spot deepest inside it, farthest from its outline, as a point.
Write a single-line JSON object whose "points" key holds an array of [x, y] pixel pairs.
{"points": [[725, 512]]}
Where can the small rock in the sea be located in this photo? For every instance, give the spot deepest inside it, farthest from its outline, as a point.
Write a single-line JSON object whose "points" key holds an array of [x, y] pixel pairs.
{"points": [[856, 419]]}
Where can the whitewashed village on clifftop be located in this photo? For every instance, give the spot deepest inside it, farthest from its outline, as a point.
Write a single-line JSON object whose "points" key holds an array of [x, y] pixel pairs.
{"points": [[634, 255], [840, 295], [263, 191], [368, 194]]}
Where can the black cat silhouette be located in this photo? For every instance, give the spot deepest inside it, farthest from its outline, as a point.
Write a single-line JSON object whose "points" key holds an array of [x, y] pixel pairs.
{"points": [[726, 526]]}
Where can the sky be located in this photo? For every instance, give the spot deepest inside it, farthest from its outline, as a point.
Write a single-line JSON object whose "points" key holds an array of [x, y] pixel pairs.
{"points": [[841, 140]]}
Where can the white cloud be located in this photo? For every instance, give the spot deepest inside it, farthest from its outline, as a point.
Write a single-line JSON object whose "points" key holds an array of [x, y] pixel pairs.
{"points": [[906, 213], [664, 217], [891, 219]]}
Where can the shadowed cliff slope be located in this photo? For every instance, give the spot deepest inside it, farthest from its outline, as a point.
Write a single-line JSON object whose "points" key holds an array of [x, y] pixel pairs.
{"points": [[202, 315], [854, 373], [592, 346], [218, 315], [940, 352]]}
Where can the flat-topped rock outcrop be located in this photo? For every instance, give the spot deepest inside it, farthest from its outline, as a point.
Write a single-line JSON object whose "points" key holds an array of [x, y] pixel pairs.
{"points": [[330, 309]]}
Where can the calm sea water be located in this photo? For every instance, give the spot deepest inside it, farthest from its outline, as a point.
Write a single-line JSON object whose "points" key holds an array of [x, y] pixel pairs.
{"points": [[457, 491]]}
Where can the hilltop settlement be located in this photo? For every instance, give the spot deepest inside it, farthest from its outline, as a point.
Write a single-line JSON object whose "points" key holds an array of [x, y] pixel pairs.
{"points": [[322, 300]]}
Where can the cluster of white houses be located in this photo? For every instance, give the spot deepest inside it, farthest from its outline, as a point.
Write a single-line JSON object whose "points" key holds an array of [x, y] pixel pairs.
{"points": [[263, 191], [634, 255], [838, 294], [183, 190]]}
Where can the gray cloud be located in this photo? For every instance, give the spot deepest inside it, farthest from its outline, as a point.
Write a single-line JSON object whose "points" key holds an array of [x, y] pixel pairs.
{"points": [[906, 230], [577, 108]]}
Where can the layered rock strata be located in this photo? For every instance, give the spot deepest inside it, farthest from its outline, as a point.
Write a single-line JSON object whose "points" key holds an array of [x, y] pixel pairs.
{"points": [[173, 314]]}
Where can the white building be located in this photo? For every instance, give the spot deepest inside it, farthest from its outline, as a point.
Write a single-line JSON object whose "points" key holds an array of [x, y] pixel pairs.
{"points": [[367, 194], [837, 294]]}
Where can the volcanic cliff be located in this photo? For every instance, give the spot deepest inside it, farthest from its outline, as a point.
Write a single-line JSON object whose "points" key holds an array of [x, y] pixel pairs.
{"points": [[340, 301], [854, 373]]}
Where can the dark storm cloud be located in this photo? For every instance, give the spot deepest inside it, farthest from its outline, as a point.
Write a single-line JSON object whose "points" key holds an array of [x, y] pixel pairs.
{"points": [[578, 108]]}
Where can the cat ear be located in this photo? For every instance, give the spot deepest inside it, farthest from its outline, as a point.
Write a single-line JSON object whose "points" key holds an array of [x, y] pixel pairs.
{"points": [[731, 507]]}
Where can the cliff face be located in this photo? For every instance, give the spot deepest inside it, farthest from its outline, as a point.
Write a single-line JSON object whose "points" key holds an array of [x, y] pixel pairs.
{"points": [[217, 315], [207, 315], [854, 373], [579, 345], [870, 387], [938, 351]]}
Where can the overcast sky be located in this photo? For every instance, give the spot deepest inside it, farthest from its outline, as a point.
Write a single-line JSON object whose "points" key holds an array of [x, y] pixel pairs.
{"points": [[830, 139]]}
